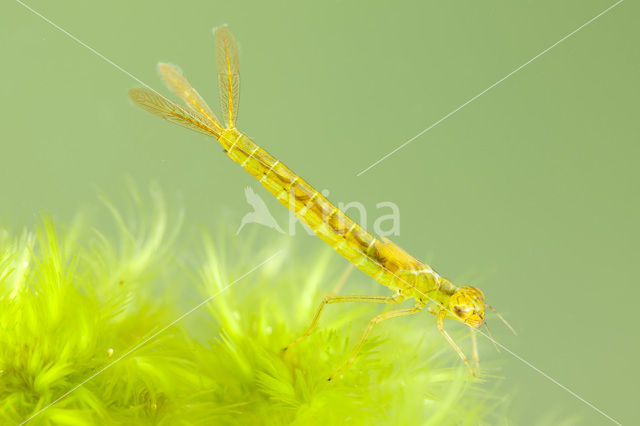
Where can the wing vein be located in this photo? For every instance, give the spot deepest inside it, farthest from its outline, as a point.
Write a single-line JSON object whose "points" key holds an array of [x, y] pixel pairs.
{"points": [[164, 108]]}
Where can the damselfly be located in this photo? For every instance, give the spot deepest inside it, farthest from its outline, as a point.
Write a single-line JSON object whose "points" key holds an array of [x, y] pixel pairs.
{"points": [[379, 258]]}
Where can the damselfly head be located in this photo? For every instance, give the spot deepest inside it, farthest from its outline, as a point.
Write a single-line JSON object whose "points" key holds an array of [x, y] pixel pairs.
{"points": [[467, 304]]}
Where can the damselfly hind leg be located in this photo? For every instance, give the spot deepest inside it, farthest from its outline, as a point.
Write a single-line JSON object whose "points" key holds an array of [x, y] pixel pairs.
{"points": [[441, 316], [375, 320], [341, 299]]}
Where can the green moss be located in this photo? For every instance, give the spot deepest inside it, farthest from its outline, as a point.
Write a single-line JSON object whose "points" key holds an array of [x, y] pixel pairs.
{"points": [[73, 305]]}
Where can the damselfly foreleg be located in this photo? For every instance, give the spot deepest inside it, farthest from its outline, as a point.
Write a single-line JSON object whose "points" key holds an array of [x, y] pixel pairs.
{"points": [[341, 299], [441, 316], [375, 320], [474, 346]]}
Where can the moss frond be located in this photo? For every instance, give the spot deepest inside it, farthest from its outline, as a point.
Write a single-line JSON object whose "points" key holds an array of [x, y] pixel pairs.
{"points": [[401, 376], [71, 306]]}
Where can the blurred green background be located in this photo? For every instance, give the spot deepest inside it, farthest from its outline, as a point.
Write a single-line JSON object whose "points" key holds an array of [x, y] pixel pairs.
{"points": [[530, 192]]}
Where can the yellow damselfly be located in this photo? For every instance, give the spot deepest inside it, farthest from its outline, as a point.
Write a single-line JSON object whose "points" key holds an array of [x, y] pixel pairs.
{"points": [[379, 258]]}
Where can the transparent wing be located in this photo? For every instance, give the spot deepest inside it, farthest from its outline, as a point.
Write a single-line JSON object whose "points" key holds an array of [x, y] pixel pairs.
{"points": [[228, 74], [169, 110], [178, 83]]}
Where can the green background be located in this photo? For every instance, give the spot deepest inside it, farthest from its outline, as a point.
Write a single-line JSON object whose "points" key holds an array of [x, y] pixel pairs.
{"points": [[530, 192]]}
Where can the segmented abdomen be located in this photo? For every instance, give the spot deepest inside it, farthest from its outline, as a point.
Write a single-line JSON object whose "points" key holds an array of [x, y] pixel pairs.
{"points": [[327, 221]]}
